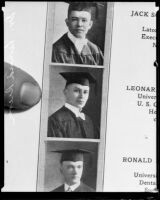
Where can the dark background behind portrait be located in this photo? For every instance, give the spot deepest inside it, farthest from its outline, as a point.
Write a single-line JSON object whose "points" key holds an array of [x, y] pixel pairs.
{"points": [[96, 34], [57, 85]]}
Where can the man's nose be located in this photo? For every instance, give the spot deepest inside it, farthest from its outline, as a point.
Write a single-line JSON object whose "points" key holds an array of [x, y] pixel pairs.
{"points": [[75, 170], [80, 23], [81, 94]]}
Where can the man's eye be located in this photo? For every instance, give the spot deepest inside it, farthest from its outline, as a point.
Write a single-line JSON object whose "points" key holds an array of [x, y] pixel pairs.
{"points": [[86, 92], [76, 90], [84, 20], [74, 19], [69, 167]]}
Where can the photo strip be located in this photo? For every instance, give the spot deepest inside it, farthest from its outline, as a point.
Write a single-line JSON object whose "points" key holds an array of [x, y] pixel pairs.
{"points": [[74, 97]]}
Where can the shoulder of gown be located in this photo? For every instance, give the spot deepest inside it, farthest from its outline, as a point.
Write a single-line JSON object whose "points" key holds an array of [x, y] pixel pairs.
{"points": [[84, 188], [62, 44], [93, 47], [63, 114], [58, 189]]}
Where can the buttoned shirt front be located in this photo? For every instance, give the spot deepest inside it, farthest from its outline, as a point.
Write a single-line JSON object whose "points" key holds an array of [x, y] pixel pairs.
{"points": [[71, 187], [75, 110], [78, 42]]}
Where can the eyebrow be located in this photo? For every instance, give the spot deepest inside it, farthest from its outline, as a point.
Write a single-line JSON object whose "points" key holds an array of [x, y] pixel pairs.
{"points": [[79, 17], [81, 88]]}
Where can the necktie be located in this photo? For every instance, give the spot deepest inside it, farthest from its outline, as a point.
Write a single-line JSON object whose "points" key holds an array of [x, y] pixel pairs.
{"points": [[69, 189], [81, 115]]}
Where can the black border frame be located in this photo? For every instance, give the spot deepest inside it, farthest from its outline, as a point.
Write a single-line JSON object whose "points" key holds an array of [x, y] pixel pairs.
{"points": [[85, 196]]}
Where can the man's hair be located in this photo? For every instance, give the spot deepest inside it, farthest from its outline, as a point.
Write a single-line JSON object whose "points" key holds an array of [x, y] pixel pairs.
{"points": [[79, 6]]}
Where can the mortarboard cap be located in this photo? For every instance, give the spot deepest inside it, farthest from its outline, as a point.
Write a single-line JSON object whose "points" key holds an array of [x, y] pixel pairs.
{"points": [[84, 6], [82, 78], [72, 154]]}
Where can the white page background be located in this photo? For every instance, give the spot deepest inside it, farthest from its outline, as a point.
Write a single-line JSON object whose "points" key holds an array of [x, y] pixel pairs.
{"points": [[131, 131], [24, 37]]}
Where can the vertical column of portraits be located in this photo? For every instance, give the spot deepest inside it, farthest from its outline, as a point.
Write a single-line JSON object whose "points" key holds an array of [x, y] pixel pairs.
{"points": [[71, 117]]}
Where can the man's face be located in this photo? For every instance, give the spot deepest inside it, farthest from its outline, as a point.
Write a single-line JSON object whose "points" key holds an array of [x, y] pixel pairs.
{"points": [[76, 95], [72, 171], [79, 22]]}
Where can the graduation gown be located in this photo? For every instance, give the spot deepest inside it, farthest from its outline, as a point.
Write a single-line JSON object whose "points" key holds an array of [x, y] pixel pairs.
{"points": [[64, 123], [64, 51], [82, 188]]}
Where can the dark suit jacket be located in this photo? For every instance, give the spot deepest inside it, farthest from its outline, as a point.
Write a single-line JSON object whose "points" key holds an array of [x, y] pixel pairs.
{"points": [[82, 188], [64, 51], [64, 123]]}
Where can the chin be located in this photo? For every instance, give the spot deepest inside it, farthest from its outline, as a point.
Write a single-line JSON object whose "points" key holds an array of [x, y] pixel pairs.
{"points": [[79, 35], [75, 181], [80, 106]]}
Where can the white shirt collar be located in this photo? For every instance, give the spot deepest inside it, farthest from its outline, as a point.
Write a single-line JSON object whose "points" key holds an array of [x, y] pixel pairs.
{"points": [[75, 110], [72, 187], [78, 42]]}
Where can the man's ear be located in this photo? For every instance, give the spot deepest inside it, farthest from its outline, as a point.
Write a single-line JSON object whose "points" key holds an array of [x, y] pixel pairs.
{"points": [[64, 91], [61, 168], [90, 24], [66, 20]]}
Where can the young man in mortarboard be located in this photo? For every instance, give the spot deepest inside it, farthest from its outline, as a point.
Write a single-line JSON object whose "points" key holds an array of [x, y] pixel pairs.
{"points": [[73, 47], [69, 121], [72, 168]]}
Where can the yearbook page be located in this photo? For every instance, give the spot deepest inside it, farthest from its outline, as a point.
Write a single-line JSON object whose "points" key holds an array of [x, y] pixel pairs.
{"points": [[94, 128], [130, 155]]}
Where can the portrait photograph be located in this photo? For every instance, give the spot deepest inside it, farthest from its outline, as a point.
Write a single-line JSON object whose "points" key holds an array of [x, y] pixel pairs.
{"points": [[74, 106], [72, 164], [78, 32]]}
